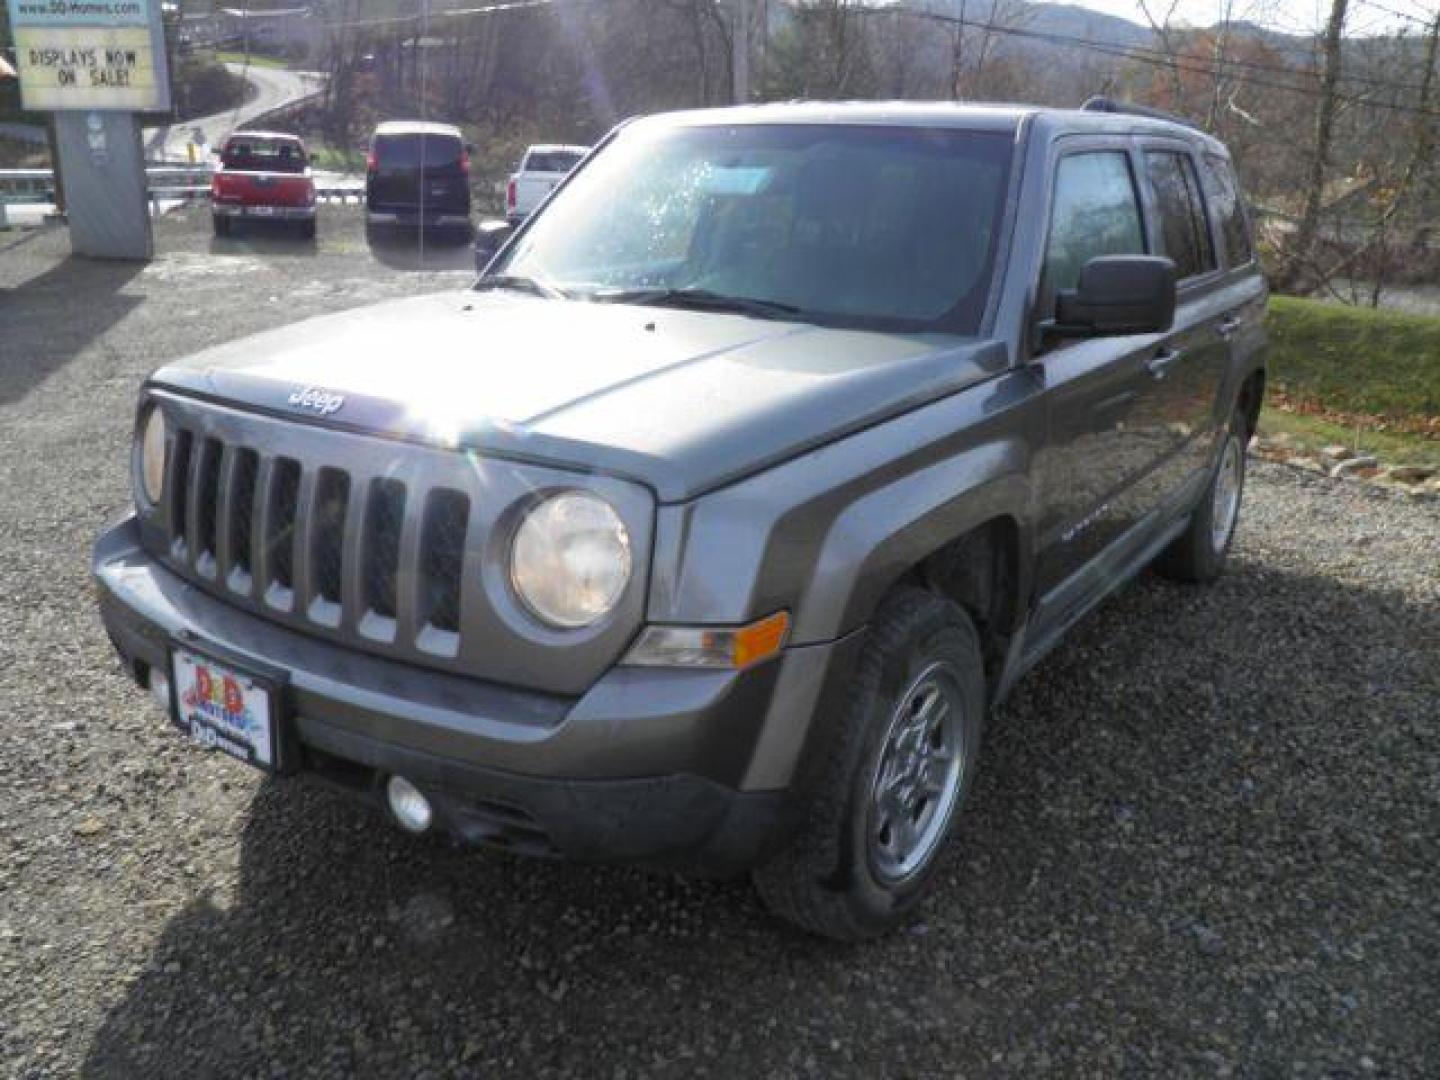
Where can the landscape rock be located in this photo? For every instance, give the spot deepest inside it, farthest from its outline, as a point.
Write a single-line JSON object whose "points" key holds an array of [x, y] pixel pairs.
{"points": [[1353, 465], [1409, 474]]}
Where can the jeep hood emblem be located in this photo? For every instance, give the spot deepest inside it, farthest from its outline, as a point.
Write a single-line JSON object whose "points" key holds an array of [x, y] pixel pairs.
{"points": [[314, 399]]}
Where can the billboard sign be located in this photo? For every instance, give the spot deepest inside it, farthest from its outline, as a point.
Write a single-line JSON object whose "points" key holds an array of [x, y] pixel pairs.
{"points": [[90, 54]]}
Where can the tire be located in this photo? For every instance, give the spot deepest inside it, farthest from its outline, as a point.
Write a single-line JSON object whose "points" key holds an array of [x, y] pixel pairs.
{"points": [[307, 230], [1198, 554], [221, 223], [840, 877]]}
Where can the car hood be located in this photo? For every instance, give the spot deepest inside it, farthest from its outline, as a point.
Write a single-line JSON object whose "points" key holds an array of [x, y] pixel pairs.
{"points": [[682, 401]]}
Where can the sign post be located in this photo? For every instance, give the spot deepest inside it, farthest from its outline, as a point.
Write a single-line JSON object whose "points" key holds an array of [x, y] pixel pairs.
{"points": [[95, 64]]}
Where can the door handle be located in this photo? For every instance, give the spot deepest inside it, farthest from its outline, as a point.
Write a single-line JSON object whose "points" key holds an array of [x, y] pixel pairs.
{"points": [[1161, 362], [1229, 325]]}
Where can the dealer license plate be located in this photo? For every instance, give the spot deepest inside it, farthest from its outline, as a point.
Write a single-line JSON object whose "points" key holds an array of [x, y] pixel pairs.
{"points": [[226, 709]]}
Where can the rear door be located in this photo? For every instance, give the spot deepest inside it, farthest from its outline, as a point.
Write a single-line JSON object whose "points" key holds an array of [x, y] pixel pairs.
{"points": [[1190, 368], [1242, 291], [395, 180], [412, 168]]}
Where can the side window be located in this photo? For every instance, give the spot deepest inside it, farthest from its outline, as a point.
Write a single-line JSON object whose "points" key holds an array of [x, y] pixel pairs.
{"points": [[1094, 212], [1184, 234], [1224, 195]]}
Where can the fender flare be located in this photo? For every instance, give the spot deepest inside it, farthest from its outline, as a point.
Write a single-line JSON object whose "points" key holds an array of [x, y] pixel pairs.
{"points": [[876, 540]]}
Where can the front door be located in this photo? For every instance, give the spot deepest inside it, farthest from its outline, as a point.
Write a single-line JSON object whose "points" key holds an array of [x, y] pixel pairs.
{"points": [[1102, 440]]}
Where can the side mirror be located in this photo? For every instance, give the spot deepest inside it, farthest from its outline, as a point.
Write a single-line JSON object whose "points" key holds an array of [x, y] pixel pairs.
{"points": [[1118, 294]]}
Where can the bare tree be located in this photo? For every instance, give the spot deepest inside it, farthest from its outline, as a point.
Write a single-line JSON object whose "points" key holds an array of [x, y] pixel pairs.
{"points": [[1162, 24]]}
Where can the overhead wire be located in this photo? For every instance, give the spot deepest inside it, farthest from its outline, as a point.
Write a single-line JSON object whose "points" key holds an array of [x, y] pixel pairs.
{"points": [[1192, 65], [1215, 67]]}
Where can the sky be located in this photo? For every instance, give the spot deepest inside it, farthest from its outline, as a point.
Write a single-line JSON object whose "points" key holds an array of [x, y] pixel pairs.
{"points": [[1294, 16]]}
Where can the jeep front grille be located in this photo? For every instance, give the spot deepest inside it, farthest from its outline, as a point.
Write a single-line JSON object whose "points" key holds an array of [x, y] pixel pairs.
{"points": [[385, 546], [309, 540]]}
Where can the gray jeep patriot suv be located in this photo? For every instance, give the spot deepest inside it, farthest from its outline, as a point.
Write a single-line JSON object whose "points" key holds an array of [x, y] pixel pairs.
{"points": [[710, 525]]}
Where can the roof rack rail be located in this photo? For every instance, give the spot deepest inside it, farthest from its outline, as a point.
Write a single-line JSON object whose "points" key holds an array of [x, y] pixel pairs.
{"points": [[1110, 105]]}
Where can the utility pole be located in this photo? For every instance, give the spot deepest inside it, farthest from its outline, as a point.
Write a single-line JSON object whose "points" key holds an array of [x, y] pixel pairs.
{"points": [[740, 51], [1309, 225], [957, 57]]}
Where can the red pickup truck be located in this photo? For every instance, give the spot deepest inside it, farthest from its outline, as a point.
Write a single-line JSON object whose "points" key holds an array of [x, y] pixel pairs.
{"points": [[263, 175]]}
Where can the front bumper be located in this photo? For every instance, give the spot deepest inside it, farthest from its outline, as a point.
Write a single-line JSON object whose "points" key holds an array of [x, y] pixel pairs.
{"points": [[649, 765], [263, 212]]}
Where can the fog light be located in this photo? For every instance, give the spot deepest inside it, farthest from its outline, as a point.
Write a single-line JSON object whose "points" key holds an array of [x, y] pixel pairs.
{"points": [[160, 689], [409, 805]]}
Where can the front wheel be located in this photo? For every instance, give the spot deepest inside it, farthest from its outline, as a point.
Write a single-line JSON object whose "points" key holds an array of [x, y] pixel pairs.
{"points": [[221, 223], [1198, 554], [899, 765]]}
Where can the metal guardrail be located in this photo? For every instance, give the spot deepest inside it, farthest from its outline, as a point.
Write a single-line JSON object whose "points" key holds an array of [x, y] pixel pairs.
{"points": [[339, 194], [27, 185], [164, 183]]}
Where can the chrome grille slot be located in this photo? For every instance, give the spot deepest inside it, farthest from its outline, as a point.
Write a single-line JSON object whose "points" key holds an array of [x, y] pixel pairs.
{"points": [[327, 544], [206, 504], [279, 532], [384, 522], [241, 526], [442, 559], [179, 491]]}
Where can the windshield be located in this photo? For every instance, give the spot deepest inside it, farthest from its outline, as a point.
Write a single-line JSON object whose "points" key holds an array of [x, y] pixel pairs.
{"points": [[864, 226], [263, 155]]}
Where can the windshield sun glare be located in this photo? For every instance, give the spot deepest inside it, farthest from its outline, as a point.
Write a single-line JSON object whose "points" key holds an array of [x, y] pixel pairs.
{"points": [[851, 225]]}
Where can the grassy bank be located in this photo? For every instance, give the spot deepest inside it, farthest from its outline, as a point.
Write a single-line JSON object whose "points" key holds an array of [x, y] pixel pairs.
{"points": [[1359, 377], [331, 159]]}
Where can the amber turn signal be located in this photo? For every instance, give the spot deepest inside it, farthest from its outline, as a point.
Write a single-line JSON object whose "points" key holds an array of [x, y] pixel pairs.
{"points": [[710, 647]]}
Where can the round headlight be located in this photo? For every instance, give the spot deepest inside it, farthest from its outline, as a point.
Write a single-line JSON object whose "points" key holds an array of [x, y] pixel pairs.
{"points": [[152, 455], [571, 559]]}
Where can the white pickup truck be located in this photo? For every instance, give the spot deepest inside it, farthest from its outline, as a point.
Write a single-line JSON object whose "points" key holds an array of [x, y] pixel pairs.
{"points": [[541, 169]]}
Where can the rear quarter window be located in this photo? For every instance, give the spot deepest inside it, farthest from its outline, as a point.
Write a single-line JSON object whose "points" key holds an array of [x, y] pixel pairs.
{"points": [[1223, 192]]}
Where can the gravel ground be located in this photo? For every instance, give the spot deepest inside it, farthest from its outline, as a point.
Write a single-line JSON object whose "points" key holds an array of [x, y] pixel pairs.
{"points": [[1203, 841]]}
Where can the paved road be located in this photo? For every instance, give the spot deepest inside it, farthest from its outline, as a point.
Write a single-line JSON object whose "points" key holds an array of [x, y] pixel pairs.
{"points": [[1201, 844], [275, 88]]}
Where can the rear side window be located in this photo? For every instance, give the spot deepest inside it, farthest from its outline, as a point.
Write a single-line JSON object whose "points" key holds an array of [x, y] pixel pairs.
{"points": [[406, 151], [1094, 212], [551, 161], [262, 155], [1223, 192], [1184, 234]]}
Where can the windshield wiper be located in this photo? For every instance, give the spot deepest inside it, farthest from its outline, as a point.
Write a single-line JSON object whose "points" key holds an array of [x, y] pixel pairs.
{"points": [[519, 283], [698, 300]]}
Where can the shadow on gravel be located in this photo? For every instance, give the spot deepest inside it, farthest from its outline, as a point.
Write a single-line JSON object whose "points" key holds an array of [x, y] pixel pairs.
{"points": [[1196, 846], [266, 238], [407, 248], [47, 320]]}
